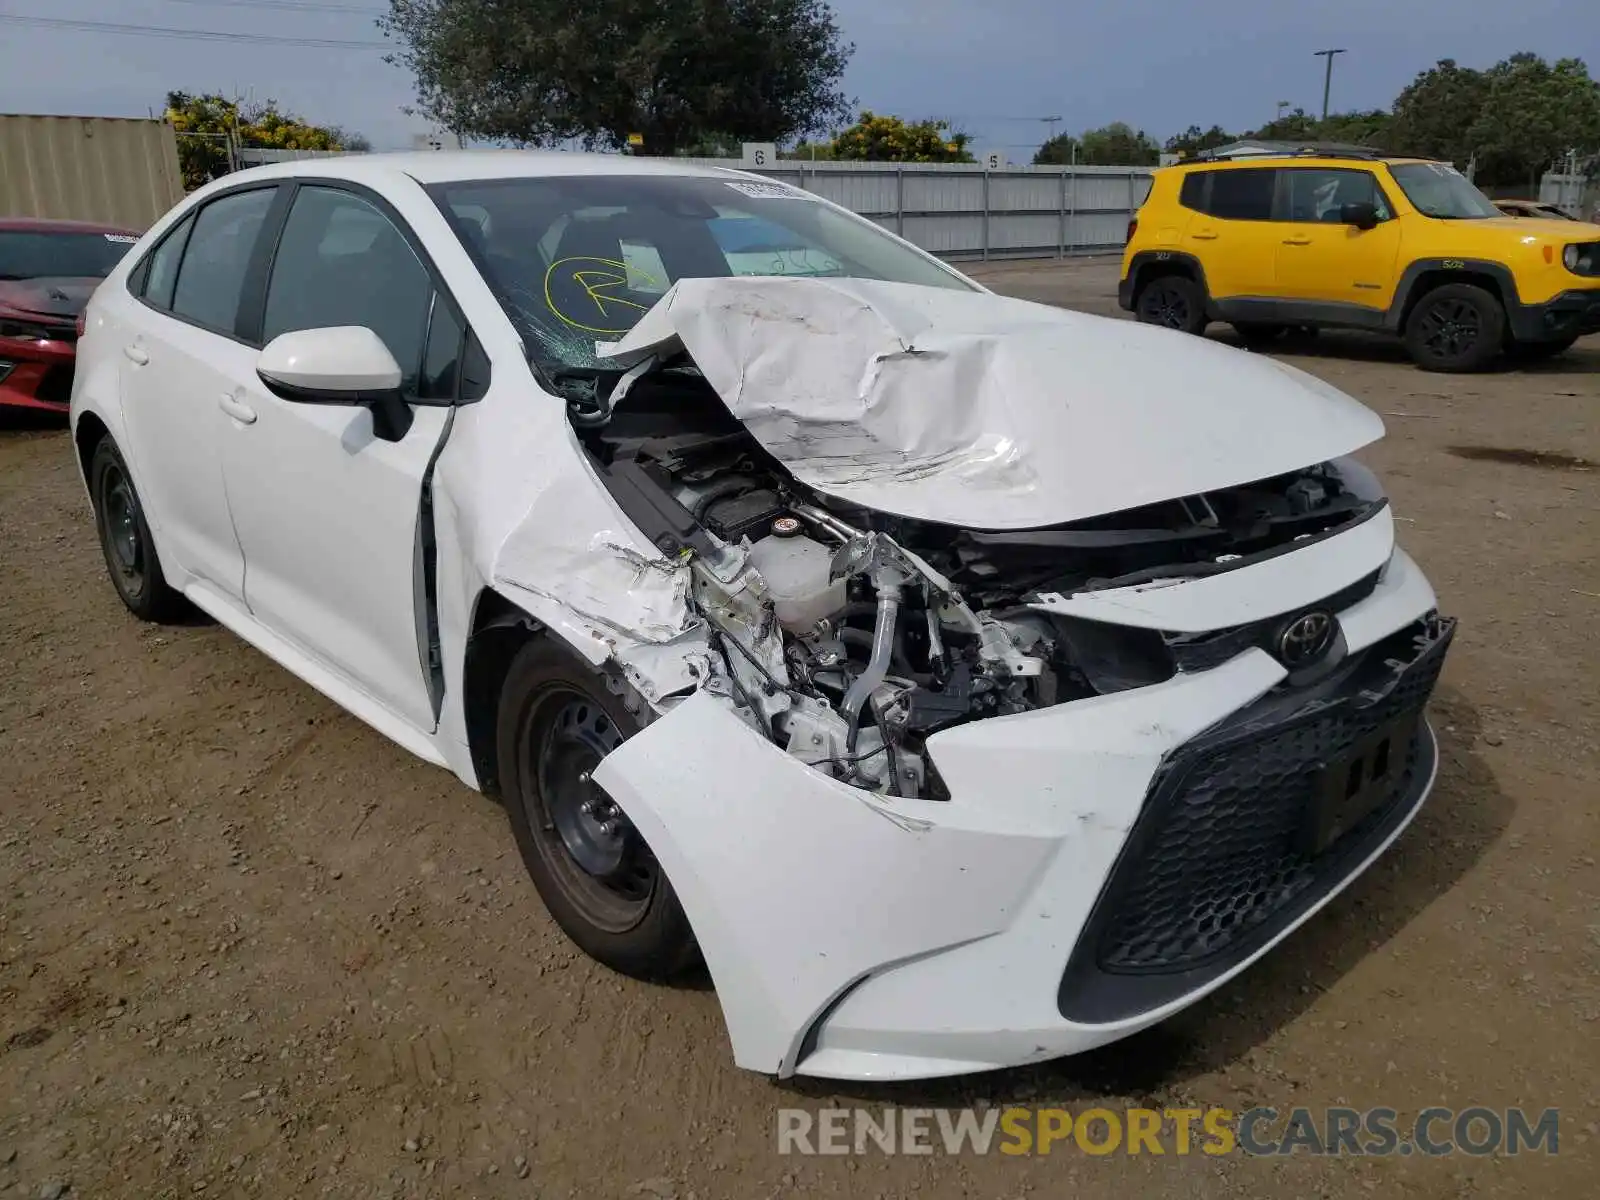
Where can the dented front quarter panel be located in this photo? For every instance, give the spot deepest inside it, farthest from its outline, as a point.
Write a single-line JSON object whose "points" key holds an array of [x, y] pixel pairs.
{"points": [[540, 528]]}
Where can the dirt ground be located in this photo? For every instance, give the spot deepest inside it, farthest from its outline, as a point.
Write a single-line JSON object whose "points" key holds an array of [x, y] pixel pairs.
{"points": [[250, 948]]}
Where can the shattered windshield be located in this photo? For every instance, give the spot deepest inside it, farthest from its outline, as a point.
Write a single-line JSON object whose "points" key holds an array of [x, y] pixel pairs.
{"points": [[580, 258], [1439, 190]]}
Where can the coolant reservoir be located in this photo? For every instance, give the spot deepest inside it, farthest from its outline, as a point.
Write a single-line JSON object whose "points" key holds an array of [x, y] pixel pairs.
{"points": [[796, 571]]}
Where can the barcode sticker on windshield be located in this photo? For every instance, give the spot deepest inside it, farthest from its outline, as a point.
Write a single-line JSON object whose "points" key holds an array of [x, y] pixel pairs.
{"points": [[768, 191], [121, 238]]}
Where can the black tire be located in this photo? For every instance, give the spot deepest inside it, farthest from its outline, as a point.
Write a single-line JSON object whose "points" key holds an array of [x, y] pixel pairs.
{"points": [[1259, 333], [1532, 352], [557, 720], [1173, 302], [125, 540], [1456, 328]]}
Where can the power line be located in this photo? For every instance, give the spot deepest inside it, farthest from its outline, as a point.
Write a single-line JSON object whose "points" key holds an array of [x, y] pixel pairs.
{"points": [[195, 35], [287, 6]]}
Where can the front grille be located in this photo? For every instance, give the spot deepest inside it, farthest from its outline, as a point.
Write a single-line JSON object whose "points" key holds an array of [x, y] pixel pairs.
{"points": [[1203, 651], [1246, 827]]}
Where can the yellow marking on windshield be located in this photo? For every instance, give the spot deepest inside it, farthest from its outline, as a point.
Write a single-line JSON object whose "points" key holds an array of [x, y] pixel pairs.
{"points": [[597, 278]]}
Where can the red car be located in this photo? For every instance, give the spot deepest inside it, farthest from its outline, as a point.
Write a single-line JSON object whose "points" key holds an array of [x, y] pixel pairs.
{"points": [[47, 271]]}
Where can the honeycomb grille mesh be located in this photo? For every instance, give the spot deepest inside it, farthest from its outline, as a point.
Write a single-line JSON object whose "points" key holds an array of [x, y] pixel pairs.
{"points": [[1223, 846]]}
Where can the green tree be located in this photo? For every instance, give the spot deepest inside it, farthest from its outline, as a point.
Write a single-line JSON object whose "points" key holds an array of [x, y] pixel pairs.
{"points": [[1194, 140], [1059, 151], [1533, 113], [1297, 125], [1434, 112], [876, 138], [542, 71], [1368, 128], [206, 124], [1118, 145]]}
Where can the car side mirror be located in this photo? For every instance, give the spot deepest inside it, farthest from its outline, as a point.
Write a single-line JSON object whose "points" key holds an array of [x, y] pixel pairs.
{"points": [[1361, 215], [344, 364]]}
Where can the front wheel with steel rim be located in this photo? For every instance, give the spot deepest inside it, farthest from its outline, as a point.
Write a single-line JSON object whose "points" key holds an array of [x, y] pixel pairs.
{"points": [[1173, 302], [594, 871], [125, 538], [1458, 327]]}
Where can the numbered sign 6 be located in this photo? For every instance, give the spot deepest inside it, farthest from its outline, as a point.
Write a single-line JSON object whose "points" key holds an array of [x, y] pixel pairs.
{"points": [[760, 154]]}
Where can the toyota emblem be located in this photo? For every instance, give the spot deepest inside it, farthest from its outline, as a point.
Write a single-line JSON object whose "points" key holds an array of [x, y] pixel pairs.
{"points": [[1306, 639]]}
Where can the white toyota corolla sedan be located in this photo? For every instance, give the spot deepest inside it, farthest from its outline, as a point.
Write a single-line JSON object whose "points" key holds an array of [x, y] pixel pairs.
{"points": [[967, 682]]}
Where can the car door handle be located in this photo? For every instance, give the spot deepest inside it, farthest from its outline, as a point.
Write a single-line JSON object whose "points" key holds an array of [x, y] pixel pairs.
{"points": [[136, 354], [1297, 241], [1204, 237], [237, 409]]}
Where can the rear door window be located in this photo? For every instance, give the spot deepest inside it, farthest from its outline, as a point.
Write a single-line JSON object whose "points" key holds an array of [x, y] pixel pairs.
{"points": [[1244, 194], [163, 266], [211, 276]]}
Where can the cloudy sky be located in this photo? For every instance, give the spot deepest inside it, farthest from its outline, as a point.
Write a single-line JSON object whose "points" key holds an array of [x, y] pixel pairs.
{"points": [[993, 69]]}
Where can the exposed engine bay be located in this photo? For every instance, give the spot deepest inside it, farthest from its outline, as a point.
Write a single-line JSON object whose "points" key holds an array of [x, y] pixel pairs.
{"points": [[851, 635]]}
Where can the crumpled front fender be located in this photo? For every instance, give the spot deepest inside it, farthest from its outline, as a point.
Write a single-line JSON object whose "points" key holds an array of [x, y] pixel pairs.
{"points": [[796, 885]]}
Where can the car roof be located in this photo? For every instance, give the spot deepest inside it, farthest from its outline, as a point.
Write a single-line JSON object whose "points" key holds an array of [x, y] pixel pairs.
{"points": [[43, 225], [449, 166]]}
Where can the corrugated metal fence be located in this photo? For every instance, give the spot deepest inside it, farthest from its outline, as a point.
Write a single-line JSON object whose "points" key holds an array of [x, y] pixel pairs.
{"points": [[956, 210], [111, 169]]}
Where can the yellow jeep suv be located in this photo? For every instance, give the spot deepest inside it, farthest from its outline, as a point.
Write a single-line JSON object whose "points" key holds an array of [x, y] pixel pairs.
{"points": [[1358, 240]]}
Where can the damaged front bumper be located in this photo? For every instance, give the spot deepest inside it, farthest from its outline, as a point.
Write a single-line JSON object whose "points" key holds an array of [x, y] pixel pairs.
{"points": [[1099, 865]]}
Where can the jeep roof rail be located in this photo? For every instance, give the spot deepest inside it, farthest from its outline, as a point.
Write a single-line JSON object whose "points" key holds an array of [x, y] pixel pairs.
{"points": [[1253, 149]]}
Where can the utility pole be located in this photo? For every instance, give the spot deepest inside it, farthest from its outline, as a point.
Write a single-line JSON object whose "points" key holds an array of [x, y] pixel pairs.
{"points": [[1327, 79], [1050, 124]]}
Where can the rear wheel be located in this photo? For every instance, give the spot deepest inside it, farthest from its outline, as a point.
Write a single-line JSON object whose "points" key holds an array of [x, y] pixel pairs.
{"points": [[125, 539], [1459, 327], [1529, 352], [592, 868], [1173, 302]]}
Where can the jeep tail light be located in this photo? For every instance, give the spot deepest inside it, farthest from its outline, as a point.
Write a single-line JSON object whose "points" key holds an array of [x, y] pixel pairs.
{"points": [[83, 321], [1133, 228]]}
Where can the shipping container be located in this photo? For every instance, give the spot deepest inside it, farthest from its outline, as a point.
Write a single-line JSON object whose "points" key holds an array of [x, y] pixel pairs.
{"points": [[117, 170]]}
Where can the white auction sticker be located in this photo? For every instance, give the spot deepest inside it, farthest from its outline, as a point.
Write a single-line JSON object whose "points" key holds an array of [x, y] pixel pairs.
{"points": [[768, 191], [121, 237]]}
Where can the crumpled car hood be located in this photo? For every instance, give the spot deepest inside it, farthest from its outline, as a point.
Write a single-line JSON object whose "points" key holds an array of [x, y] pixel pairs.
{"points": [[986, 412]]}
